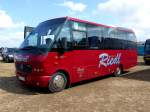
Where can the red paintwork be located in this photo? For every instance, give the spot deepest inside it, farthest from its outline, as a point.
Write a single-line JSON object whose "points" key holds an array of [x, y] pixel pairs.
{"points": [[34, 79], [79, 64]]}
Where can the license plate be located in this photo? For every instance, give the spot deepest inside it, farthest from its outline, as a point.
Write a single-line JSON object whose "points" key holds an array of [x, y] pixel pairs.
{"points": [[21, 78]]}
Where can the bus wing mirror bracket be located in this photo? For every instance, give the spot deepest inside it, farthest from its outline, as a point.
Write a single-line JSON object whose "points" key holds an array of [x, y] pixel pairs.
{"points": [[62, 44]]}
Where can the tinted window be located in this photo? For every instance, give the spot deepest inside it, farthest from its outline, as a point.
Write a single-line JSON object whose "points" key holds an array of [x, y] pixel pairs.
{"points": [[131, 37], [108, 37], [94, 34], [78, 26], [118, 39], [79, 39], [79, 33], [105, 32], [64, 34], [112, 32]]}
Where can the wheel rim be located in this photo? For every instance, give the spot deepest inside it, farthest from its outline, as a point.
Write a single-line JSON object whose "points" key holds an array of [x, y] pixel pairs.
{"points": [[59, 81], [118, 71]]}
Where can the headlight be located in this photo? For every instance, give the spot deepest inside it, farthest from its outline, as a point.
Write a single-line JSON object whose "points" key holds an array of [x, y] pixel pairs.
{"points": [[10, 55]]}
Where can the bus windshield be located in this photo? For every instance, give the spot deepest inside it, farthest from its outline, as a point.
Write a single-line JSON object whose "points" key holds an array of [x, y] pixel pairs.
{"points": [[43, 35]]}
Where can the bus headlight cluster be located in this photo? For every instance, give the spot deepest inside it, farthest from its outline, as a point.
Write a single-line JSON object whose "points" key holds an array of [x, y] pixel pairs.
{"points": [[38, 70], [11, 56]]}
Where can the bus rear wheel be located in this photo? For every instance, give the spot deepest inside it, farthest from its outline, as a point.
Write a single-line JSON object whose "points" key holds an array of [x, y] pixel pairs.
{"points": [[118, 71], [58, 82]]}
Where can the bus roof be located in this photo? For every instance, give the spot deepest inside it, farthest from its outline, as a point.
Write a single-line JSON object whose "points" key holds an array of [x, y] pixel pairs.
{"points": [[148, 40], [97, 24]]}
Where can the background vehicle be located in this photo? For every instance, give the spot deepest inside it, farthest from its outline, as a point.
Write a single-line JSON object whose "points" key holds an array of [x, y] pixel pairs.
{"points": [[140, 47], [62, 51], [147, 52], [8, 54], [1, 50]]}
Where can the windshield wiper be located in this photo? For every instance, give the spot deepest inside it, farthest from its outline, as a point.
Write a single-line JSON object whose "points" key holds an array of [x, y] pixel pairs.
{"points": [[31, 48]]}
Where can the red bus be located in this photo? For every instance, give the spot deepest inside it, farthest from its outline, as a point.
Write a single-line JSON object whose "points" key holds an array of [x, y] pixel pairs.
{"points": [[62, 51]]}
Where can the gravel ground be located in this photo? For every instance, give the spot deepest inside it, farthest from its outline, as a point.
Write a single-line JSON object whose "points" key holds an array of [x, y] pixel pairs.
{"points": [[129, 93]]}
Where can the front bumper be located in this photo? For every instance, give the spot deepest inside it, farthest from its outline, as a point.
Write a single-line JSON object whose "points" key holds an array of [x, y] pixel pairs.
{"points": [[11, 58], [33, 80], [146, 58]]}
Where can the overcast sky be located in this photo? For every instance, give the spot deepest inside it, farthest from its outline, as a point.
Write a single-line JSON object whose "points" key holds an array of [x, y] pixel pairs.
{"points": [[15, 14]]}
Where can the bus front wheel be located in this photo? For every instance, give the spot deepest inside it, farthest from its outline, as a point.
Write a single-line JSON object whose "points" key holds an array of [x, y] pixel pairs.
{"points": [[58, 82]]}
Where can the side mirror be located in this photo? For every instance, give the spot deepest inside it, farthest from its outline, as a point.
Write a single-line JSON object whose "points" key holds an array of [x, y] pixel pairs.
{"points": [[48, 41], [64, 43]]}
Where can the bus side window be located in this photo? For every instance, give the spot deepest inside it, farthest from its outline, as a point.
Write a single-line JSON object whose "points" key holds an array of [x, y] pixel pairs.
{"points": [[64, 34], [131, 40], [80, 40], [93, 42], [79, 35], [94, 34], [107, 43]]}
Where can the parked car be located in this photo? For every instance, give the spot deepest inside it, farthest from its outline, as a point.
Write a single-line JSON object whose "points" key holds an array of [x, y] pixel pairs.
{"points": [[3, 52], [1, 49], [8, 54]]}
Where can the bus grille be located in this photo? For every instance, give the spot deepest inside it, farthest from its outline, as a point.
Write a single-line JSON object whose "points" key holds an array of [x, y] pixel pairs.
{"points": [[24, 68]]}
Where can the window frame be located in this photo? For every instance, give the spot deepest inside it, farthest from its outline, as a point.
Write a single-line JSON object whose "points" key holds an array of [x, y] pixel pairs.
{"points": [[72, 29], [57, 37], [99, 35]]}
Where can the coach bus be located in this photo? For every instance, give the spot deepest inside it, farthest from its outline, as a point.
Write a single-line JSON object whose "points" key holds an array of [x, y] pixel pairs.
{"points": [[62, 51], [147, 52]]}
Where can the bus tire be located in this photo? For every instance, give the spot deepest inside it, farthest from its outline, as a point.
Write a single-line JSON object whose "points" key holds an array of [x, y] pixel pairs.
{"points": [[58, 82], [118, 71], [7, 60]]}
